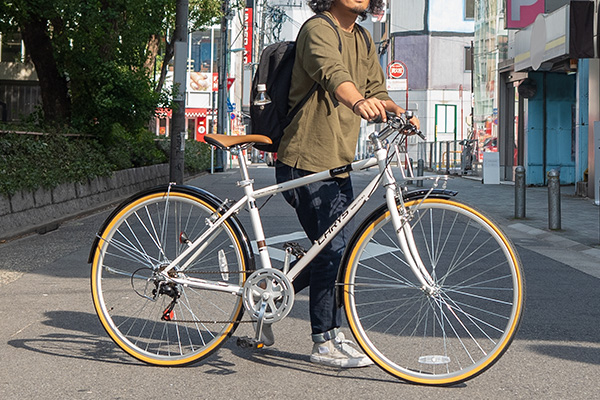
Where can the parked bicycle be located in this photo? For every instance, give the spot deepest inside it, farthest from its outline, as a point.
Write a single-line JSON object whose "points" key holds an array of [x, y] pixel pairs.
{"points": [[467, 155], [433, 290]]}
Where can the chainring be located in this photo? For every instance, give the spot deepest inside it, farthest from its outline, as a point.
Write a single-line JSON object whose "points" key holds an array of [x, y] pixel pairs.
{"points": [[271, 287]]}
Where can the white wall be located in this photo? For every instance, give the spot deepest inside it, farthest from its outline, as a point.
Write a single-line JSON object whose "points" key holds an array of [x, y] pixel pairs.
{"points": [[449, 16], [407, 15], [447, 62]]}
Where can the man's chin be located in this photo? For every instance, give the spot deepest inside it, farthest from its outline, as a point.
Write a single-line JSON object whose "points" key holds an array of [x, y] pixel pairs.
{"points": [[359, 10]]}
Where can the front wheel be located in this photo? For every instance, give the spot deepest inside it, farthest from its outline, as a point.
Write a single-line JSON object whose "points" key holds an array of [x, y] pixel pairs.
{"points": [[153, 319], [457, 331]]}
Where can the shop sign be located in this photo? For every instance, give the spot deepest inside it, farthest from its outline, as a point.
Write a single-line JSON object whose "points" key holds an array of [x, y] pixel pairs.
{"points": [[521, 13]]}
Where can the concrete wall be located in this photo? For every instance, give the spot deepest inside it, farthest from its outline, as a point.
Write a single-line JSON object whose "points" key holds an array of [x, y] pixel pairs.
{"points": [[43, 209], [447, 62], [413, 51]]}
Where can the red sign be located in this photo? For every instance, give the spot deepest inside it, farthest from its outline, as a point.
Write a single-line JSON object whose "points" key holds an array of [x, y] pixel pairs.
{"points": [[200, 128], [396, 70], [216, 82], [248, 35]]}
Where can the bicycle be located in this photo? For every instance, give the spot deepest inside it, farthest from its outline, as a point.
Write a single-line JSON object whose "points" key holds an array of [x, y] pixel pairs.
{"points": [[433, 290], [467, 155]]}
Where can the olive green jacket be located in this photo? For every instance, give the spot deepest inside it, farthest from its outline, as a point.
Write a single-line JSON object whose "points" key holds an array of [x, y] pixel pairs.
{"points": [[324, 133]]}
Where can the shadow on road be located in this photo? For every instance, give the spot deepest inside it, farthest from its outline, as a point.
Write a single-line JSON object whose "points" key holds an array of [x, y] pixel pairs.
{"points": [[582, 354]]}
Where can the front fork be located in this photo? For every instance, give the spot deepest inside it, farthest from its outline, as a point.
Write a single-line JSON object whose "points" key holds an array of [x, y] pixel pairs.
{"points": [[404, 235]]}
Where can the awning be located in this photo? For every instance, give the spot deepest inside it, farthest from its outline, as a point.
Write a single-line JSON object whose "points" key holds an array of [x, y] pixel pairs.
{"points": [[566, 33], [189, 112]]}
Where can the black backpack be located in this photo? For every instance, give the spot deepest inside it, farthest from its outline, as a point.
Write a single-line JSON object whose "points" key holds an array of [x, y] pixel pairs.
{"points": [[275, 70]]}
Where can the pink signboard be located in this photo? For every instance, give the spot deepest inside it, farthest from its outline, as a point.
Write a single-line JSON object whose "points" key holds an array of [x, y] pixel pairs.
{"points": [[521, 13]]}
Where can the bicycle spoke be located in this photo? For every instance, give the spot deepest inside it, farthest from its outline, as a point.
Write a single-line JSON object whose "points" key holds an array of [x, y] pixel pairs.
{"points": [[147, 314], [459, 326]]}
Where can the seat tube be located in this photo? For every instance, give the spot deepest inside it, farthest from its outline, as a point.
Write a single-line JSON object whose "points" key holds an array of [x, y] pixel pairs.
{"points": [[247, 185]]}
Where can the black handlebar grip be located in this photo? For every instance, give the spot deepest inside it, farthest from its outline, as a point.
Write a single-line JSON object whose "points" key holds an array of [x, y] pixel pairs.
{"points": [[377, 120]]}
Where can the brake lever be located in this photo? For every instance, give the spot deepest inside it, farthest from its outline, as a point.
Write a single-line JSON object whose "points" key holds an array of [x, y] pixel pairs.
{"points": [[414, 130], [408, 115]]}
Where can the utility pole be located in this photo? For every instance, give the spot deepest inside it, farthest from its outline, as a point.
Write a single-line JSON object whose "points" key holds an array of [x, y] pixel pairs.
{"points": [[222, 119], [178, 128]]}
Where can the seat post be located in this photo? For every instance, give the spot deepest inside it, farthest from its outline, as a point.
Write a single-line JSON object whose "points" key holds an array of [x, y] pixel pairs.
{"points": [[243, 163]]}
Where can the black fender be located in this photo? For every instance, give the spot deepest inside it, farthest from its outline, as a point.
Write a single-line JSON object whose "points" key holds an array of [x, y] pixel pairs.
{"points": [[206, 196], [407, 196]]}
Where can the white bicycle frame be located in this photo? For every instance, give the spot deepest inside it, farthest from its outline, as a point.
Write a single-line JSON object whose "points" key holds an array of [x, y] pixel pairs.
{"points": [[385, 177]]}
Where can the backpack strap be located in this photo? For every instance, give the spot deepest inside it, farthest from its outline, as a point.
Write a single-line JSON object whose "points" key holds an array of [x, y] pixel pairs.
{"points": [[365, 36], [315, 86]]}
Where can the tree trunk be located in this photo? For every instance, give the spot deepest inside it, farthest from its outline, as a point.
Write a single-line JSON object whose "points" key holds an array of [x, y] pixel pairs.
{"points": [[152, 50], [55, 95], [169, 52]]}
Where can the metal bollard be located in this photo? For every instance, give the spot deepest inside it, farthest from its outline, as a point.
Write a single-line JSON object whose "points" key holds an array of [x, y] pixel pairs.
{"points": [[447, 158], [520, 192], [554, 200], [420, 170]]}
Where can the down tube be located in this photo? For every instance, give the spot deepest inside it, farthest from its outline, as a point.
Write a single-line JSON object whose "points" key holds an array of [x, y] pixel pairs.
{"points": [[346, 216]]}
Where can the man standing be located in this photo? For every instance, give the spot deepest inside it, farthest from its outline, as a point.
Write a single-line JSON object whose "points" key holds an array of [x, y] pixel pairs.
{"points": [[323, 135]]}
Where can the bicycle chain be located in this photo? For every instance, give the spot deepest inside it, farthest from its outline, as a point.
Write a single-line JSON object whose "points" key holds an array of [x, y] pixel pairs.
{"points": [[214, 272]]}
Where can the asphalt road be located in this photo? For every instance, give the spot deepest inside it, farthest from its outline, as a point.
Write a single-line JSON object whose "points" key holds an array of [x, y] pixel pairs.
{"points": [[54, 347]]}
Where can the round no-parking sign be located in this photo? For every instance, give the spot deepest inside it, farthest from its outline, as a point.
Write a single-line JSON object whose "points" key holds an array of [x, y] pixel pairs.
{"points": [[396, 70]]}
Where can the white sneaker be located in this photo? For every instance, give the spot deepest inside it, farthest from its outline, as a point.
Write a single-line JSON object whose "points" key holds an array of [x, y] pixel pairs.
{"points": [[339, 352]]}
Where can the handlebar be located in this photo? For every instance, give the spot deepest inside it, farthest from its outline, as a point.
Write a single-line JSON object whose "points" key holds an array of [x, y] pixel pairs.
{"points": [[397, 123]]}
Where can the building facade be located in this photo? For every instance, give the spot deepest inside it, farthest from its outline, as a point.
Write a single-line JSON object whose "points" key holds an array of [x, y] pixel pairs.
{"points": [[545, 100]]}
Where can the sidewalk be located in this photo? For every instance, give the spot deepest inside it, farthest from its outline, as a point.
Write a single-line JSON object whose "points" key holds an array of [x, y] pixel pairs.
{"points": [[578, 242]]}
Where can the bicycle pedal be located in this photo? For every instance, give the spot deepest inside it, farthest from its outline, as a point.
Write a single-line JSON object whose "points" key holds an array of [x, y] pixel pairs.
{"points": [[246, 342], [295, 249]]}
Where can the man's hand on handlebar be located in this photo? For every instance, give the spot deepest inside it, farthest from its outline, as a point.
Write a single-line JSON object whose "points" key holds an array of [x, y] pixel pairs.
{"points": [[412, 128], [375, 110], [370, 109]]}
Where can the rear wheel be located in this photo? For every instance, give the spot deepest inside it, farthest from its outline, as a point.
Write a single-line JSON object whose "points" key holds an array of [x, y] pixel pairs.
{"points": [[458, 331], [153, 320]]}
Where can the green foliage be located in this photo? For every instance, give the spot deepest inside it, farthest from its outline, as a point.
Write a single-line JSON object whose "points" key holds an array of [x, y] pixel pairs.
{"points": [[103, 49], [204, 13], [131, 150], [105, 63], [110, 95], [196, 157], [29, 162]]}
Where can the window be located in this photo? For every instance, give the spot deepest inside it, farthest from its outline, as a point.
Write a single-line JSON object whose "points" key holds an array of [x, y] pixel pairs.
{"points": [[469, 9], [445, 121], [201, 52], [10, 47], [468, 59]]}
